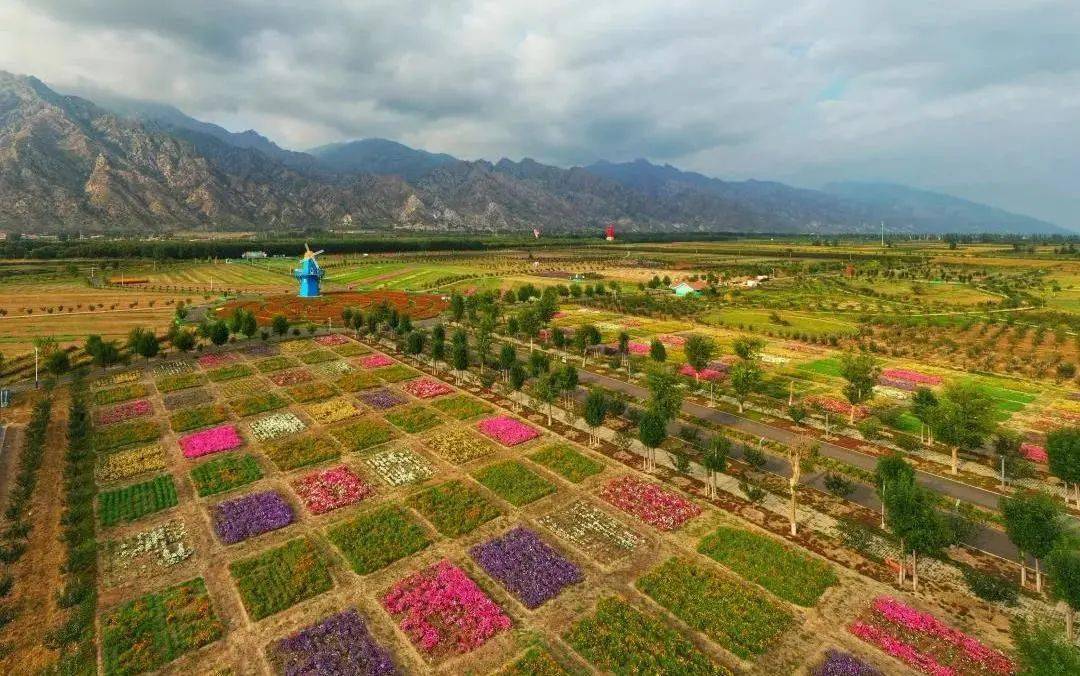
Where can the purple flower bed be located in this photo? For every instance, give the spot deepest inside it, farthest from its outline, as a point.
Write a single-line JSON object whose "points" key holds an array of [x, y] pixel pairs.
{"points": [[898, 383], [840, 663], [242, 518], [381, 399], [530, 569], [340, 644]]}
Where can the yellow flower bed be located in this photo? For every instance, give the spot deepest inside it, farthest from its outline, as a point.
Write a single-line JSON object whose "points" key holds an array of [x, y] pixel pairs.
{"points": [[130, 462], [332, 410]]}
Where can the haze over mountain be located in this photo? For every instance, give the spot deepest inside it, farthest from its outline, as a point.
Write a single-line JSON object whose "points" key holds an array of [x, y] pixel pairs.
{"points": [[66, 162]]}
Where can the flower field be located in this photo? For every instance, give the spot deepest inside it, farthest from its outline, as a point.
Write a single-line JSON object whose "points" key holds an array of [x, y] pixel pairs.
{"points": [[339, 644], [125, 434], [118, 394], [514, 482], [146, 553], [330, 489], [129, 462], [375, 361], [568, 463], [506, 430], [179, 381], [656, 506], [185, 398], [212, 361], [427, 388], [125, 411], [332, 410], [443, 611], [238, 519], [461, 407], [457, 446], [114, 379], [454, 508], [295, 347], [276, 425], [278, 363], [911, 376], [318, 356], [376, 539], [136, 501], [399, 467], [257, 403], [924, 642], [381, 399], [396, 373], [357, 380], [301, 451], [230, 373], [199, 416], [281, 577], [593, 531], [213, 440], [225, 473], [313, 391], [332, 369], [839, 663], [413, 419], [362, 435], [234, 389], [290, 377], [332, 340], [531, 570]]}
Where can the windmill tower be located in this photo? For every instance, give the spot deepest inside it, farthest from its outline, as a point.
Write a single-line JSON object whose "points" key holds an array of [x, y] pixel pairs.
{"points": [[309, 273]]}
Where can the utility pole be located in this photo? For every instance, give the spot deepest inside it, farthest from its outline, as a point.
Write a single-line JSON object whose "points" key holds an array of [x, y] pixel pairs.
{"points": [[37, 382], [883, 234]]}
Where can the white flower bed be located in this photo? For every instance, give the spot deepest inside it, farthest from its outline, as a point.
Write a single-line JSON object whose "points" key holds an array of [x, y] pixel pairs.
{"points": [[333, 369], [276, 425], [892, 392], [139, 554], [593, 530], [774, 359], [400, 466], [173, 368]]}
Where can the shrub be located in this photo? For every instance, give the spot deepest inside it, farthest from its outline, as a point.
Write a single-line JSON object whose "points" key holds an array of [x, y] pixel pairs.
{"points": [[989, 587], [839, 485]]}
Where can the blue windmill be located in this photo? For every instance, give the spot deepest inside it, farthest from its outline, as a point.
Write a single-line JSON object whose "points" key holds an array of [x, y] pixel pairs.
{"points": [[309, 273]]}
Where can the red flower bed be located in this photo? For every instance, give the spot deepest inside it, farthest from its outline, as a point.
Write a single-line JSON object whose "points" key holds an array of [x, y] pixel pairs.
{"points": [[912, 376], [330, 305], [332, 488], [332, 339], [217, 359], [426, 388], [293, 377], [672, 340], [1034, 452], [650, 502], [704, 374], [375, 361], [125, 411], [837, 406]]}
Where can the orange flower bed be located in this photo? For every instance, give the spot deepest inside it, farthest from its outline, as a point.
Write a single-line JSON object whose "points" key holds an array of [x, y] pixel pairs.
{"points": [[330, 305]]}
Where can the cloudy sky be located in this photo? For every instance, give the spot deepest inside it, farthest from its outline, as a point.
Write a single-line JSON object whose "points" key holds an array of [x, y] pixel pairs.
{"points": [[977, 98]]}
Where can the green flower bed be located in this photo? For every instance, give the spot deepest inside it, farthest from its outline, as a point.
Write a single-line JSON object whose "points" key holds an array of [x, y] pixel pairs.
{"points": [[360, 436], [350, 349], [276, 364], [358, 380], [564, 460], [125, 433], [514, 482], [257, 403], [396, 373], [117, 394], [153, 630], [301, 452], [621, 639], [230, 372], [784, 571], [462, 407], [180, 381], [315, 390], [225, 473], [280, 578], [535, 662], [318, 356], [743, 620], [375, 540], [136, 501], [414, 419], [454, 508], [200, 416]]}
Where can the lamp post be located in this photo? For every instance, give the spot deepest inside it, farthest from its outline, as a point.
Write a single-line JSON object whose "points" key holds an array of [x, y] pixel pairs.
{"points": [[37, 382]]}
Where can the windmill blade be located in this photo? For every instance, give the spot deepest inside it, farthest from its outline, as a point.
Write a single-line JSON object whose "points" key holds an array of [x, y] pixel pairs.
{"points": [[317, 252], [307, 248]]}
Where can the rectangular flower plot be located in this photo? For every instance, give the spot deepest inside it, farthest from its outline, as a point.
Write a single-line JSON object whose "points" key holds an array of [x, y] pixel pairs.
{"points": [[461, 407], [241, 518], [290, 377], [213, 440], [173, 368], [318, 356], [198, 416], [257, 403], [225, 473], [840, 663], [413, 419], [180, 381], [129, 462], [114, 379], [454, 508], [458, 446], [299, 346], [506, 430], [400, 466], [514, 482], [351, 349], [619, 638], [427, 388], [244, 387], [125, 411], [396, 373], [535, 662], [118, 394], [151, 631], [184, 398], [924, 642], [376, 539], [276, 364], [381, 398], [531, 570], [566, 461], [330, 489], [357, 380], [333, 339], [593, 530], [316, 390], [375, 361], [276, 425], [280, 578], [363, 434], [145, 553], [302, 451], [213, 361], [788, 573], [231, 372], [136, 501], [650, 502], [338, 644], [443, 611], [332, 369], [332, 410], [261, 350], [741, 618], [125, 434]]}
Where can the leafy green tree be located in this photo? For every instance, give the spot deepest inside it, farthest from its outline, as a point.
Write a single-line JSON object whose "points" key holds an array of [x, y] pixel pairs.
{"points": [[652, 430], [1063, 457], [58, 362], [249, 327], [414, 343], [797, 413], [438, 349], [457, 307], [657, 351], [546, 389], [518, 375], [459, 355], [1033, 522], [1063, 566], [963, 418], [596, 409], [183, 340], [585, 337], [891, 471], [911, 513], [745, 377], [530, 322], [747, 348], [699, 351], [715, 460], [1042, 651], [219, 333], [923, 406], [624, 342], [507, 358], [539, 364], [665, 396], [861, 371], [280, 325], [484, 341], [558, 338]]}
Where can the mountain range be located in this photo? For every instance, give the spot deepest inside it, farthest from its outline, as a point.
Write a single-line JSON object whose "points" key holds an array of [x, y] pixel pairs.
{"points": [[120, 164]]}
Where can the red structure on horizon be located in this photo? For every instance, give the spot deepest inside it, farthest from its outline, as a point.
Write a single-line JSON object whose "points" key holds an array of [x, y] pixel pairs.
{"points": [[609, 234]]}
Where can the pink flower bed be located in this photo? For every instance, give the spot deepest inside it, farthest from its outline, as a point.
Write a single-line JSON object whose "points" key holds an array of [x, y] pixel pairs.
{"points": [[837, 406], [290, 377], [332, 488], [634, 347], [672, 340], [443, 611], [375, 361], [704, 374], [649, 502], [216, 359], [506, 430], [125, 411], [426, 388], [213, 440], [1034, 452], [332, 339], [912, 376], [926, 643]]}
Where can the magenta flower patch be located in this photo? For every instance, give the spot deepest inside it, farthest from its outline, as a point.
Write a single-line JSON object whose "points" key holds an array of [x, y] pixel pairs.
{"points": [[506, 430], [375, 361], [213, 440]]}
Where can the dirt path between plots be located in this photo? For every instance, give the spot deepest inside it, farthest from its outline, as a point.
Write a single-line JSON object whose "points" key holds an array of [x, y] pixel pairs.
{"points": [[37, 573]]}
